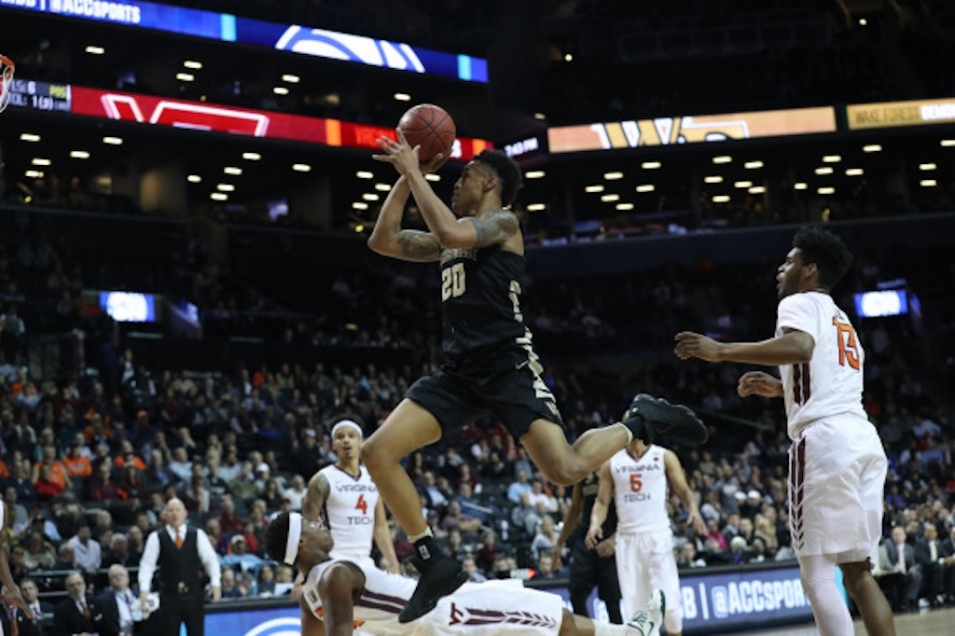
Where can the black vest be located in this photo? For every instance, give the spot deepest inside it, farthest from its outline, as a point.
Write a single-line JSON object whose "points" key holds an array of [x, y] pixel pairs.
{"points": [[178, 565]]}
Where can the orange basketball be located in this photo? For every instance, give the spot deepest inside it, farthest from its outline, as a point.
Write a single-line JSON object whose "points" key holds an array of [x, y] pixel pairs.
{"points": [[430, 127]]}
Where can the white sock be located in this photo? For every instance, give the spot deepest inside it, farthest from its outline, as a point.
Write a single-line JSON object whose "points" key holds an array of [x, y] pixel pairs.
{"points": [[427, 533], [609, 629], [629, 432]]}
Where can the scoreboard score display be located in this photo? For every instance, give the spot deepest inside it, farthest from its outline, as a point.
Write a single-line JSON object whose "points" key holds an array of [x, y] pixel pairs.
{"points": [[44, 96]]}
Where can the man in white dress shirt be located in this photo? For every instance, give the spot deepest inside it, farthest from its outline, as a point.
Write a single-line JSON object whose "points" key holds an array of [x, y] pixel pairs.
{"points": [[176, 549], [122, 610]]}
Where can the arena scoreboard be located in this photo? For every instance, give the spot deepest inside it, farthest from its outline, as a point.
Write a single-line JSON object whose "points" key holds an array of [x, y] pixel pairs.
{"points": [[43, 96]]}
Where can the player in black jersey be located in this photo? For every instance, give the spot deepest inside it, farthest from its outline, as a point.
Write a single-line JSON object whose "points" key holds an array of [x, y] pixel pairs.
{"points": [[590, 568], [491, 364]]}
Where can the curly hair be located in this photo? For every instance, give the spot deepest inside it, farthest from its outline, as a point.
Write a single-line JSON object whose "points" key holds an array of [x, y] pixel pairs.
{"points": [[826, 250], [507, 171], [276, 537]]}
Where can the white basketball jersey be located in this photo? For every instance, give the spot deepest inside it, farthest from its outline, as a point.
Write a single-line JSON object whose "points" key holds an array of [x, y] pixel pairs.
{"points": [[830, 384], [349, 512], [640, 491]]}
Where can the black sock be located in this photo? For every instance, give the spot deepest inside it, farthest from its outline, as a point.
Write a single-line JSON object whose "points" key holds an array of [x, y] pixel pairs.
{"points": [[427, 552], [639, 428]]}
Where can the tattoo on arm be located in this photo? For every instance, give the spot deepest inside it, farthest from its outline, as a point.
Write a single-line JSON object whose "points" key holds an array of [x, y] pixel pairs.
{"points": [[495, 228], [315, 497], [418, 246]]}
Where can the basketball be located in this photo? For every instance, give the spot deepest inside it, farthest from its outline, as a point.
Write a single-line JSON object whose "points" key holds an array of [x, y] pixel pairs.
{"points": [[430, 127]]}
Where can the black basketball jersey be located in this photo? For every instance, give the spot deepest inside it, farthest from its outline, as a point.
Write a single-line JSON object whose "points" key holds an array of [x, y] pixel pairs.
{"points": [[480, 301], [589, 487]]}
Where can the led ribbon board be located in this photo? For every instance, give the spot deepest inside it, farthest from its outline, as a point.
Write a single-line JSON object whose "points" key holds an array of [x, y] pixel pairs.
{"points": [[901, 114], [290, 37]]}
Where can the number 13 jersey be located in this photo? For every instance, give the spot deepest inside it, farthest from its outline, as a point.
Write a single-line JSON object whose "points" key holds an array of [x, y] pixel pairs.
{"points": [[349, 512], [830, 384]]}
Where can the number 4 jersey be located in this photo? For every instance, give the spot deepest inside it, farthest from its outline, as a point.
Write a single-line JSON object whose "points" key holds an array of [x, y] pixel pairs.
{"points": [[349, 512], [830, 384]]}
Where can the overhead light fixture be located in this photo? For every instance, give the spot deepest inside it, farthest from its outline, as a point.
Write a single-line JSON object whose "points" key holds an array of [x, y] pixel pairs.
{"points": [[403, 97], [113, 141], [370, 196], [624, 206], [721, 198], [185, 77], [280, 90], [646, 187], [40, 161], [854, 172], [540, 116], [824, 170], [225, 187], [613, 176], [359, 228], [301, 167], [192, 64], [650, 165], [722, 159], [753, 165], [831, 159], [95, 50], [536, 207], [826, 190], [925, 167], [232, 170], [383, 187], [594, 188], [863, 22], [432, 177], [364, 174], [251, 156], [534, 174], [359, 205], [713, 179], [948, 143], [757, 190], [610, 198], [872, 148], [219, 196], [928, 183], [194, 178], [291, 79], [743, 184], [33, 174], [31, 137], [79, 154], [800, 186], [568, 57]]}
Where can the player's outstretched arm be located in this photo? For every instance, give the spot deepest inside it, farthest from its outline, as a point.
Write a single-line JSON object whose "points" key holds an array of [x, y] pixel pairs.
{"points": [[598, 514], [340, 584], [793, 347], [387, 237], [315, 497]]}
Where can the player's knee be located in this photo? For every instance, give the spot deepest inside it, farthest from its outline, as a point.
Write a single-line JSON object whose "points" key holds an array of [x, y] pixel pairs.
{"points": [[372, 454]]}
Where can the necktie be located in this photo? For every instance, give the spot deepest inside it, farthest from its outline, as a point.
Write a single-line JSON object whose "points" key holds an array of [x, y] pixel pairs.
{"points": [[86, 611], [14, 627], [901, 549], [178, 540]]}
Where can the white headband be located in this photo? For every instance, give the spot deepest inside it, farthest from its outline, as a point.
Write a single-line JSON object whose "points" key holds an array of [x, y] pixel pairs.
{"points": [[294, 535], [348, 424]]}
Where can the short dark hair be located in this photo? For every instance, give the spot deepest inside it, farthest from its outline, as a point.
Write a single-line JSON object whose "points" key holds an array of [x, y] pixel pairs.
{"points": [[276, 537], [830, 255], [507, 171]]}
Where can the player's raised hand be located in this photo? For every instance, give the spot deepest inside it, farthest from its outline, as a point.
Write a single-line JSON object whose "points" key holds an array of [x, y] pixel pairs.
{"points": [[695, 345], [398, 153], [759, 383], [434, 164]]}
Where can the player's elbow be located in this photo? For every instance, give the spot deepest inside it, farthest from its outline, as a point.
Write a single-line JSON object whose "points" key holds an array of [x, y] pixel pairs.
{"points": [[803, 348], [377, 245]]}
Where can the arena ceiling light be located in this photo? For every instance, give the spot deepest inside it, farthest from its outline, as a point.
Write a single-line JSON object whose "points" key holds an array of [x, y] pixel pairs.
{"points": [[831, 159], [185, 77], [722, 159], [650, 165], [594, 188], [826, 190], [364, 174], [251, 156], [79, 154], [194, 178], [713, 179], [95, 50], [225, 187], [800, 186], [568, 57], [613, 176], [854, 172], [33, 174], [40, 161], [113, 141], [370, 196], [301, 167], [928, 183], [872, 148], [646, 187], [383, 187], [540, 116], [948, 143], [721, 198], [753, 165], [402, 97], [925, 167], [432, 177], [291, 79], [280, 90], [757, 190], [536, 207], [232, 170], [31, 137], [359, 205], [192, 64], [623, 207], [743, 184], [219, 196], [534, 174], [610, 198], [824, 170]]}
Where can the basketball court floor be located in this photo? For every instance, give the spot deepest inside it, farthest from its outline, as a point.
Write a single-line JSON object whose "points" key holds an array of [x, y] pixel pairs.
{"points": [[940, 622]]}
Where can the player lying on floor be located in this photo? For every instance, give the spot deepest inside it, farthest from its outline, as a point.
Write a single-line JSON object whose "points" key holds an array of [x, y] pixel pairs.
{"points": [[339, 595]]}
